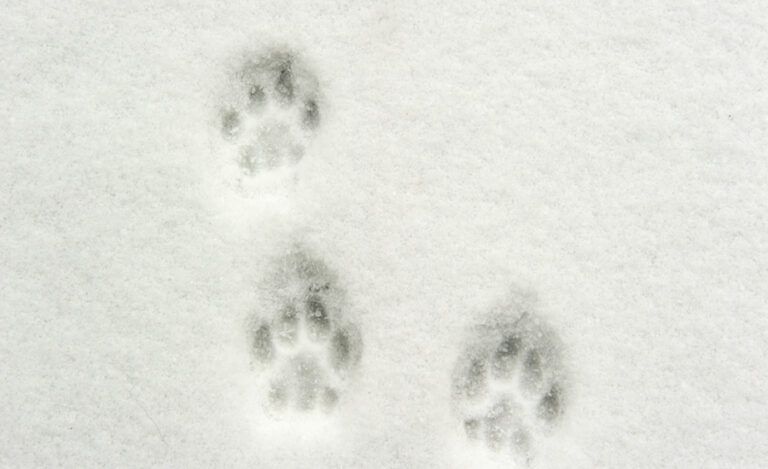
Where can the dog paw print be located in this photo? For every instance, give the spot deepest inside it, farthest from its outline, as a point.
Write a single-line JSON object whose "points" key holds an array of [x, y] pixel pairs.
{"points": [[271, 111], [307, 349], [508, 384]]}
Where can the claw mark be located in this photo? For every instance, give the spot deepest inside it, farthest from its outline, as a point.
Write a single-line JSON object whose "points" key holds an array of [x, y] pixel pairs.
{"points": [[505, 355], [256, 98], [311, 114], [550, 405], [533, 373], [284, 84], [317, 317]]}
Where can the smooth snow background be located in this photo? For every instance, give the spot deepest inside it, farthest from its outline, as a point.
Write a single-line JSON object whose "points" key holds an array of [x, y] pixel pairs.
{"points": [[607, 156]]}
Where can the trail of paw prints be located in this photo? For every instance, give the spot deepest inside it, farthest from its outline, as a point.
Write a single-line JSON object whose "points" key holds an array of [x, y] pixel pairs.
{"points": [[270, 113], [306, 350], [509, 384]]}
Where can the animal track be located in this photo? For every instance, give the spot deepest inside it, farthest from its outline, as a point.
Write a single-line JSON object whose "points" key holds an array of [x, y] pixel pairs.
{"points": [[306, 349], [271, 111], [508, 384]]}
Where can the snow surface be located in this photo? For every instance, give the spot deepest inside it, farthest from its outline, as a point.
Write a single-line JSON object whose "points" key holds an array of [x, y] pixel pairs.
{"points": [[606, 157]]}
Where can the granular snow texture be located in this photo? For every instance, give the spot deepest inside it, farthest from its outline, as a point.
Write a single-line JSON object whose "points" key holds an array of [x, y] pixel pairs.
{"points": [[402, 234]]}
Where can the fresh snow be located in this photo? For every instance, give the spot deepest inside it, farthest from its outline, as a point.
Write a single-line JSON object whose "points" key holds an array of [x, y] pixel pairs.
{"points": [[606, 159]]}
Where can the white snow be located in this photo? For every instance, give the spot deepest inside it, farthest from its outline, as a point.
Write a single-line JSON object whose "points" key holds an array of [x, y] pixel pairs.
{"points": [[607, 157]]}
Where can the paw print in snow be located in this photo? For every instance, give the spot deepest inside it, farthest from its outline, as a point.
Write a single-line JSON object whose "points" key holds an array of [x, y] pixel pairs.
{"points": [[508, 384], [271, 111], [307, 349]]}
